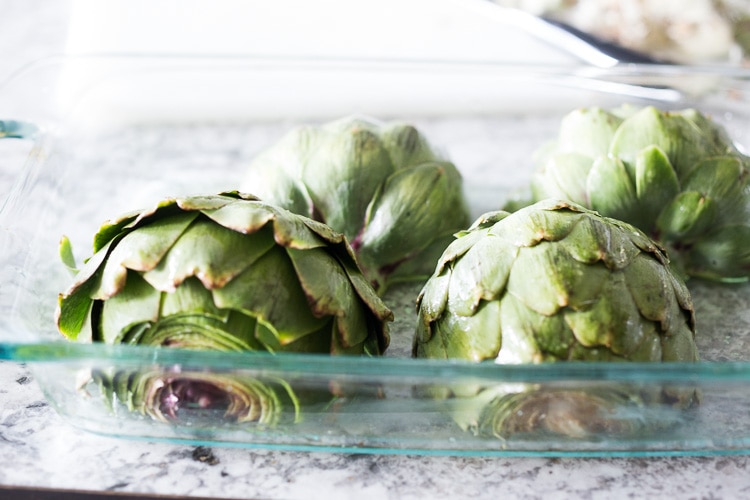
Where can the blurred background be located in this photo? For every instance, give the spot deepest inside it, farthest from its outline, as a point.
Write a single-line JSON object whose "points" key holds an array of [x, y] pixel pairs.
{"points": [[682, 31]]}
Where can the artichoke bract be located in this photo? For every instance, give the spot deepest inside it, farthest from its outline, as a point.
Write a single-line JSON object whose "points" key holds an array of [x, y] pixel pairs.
{"points": [[553, 282], [676, 175], [223, 272], [382, 185]]}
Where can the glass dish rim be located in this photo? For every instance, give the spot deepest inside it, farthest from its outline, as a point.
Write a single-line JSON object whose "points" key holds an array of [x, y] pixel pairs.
{"points": [[384, 367]]}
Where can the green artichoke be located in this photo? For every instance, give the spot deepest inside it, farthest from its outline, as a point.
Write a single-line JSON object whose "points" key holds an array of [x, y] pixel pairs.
{"points": [[676, 175], [222, 272], [383, 186], [552, 282]]}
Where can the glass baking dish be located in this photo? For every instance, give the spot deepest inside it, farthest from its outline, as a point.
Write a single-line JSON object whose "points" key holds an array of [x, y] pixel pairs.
{"points": [[112, 134]]}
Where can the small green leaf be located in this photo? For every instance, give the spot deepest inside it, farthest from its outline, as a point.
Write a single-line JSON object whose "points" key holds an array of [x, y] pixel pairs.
{"points": [[688, 216], [588, 131], [613, 322], [723, 180], [563, 176], [518, 344], [723, 254], [611, 189], [548, 220], [475, 338], [481, 274], [242, 216], [433, 298], [72, 311], [650, 288], [655, 185], [406, 145], [66, 255]]}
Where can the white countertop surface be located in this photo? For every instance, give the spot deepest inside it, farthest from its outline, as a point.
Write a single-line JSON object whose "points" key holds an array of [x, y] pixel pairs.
{"points": [[37, 448]]}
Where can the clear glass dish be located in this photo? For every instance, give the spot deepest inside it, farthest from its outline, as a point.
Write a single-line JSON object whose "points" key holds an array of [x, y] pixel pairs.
{"points": [[112, 134]]}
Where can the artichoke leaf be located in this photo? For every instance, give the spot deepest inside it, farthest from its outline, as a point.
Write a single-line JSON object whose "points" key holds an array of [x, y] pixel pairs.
{"points": [[518, 342], [406, 145], [723, 179], [546, 279], [242, 216], [588, 131], [74, 305], [319, 341], [433, 298], [112, 228], [370, 299], [655, 184], [425, 343], [480, 274], [486, 342], [612, 322], [401, 214], [65, 251], [141, 250], [649, 287], [199, 203], [586, 242], [551, 222], [213, 254], [688, 215], [190, 297], [680, 346], [275, 174], [72, 313], [463, 242], [724, 254], [271, 182], [343, 176], [316, 275], [484, 221], [565, 178], [268, 290], [137, 302], [611, 190], [295, 232], [716, 134]]}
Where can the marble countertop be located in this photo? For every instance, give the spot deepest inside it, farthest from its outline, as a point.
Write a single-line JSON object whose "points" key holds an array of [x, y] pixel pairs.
{"points": [[39, 449]]}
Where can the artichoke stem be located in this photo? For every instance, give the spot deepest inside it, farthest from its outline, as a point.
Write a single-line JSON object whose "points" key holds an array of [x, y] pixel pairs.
{"points": [[191, 394]]}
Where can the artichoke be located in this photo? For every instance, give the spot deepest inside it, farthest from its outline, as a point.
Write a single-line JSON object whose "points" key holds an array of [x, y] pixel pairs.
{"points": [[553, 282], [222, 272], [676, 175], [383, 186]]}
